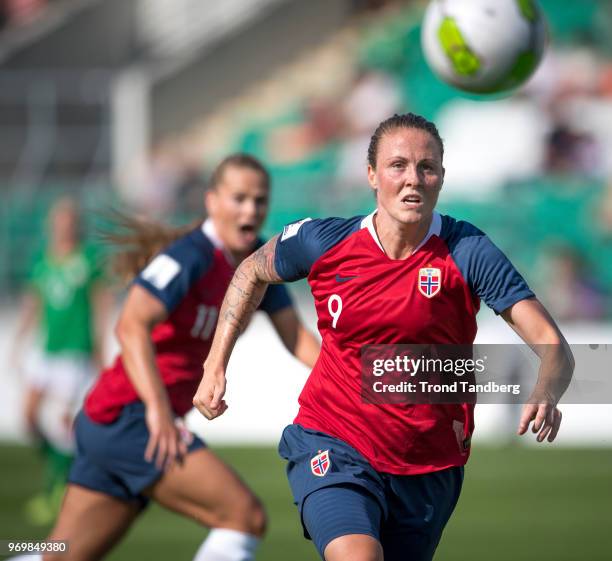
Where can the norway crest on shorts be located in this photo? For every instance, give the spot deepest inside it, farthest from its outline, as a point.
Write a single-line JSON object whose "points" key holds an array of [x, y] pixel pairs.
{"points": [[320, 464], [430, 281]]}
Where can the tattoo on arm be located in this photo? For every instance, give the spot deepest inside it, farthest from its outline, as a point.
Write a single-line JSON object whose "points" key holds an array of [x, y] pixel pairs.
{"points": [[263, 261], [246, 291]]}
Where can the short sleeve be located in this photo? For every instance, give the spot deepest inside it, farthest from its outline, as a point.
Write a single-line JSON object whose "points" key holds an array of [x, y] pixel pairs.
{"points": [[95, 258], [172, 273], [489, 273], [304, 242], [275, 299]]}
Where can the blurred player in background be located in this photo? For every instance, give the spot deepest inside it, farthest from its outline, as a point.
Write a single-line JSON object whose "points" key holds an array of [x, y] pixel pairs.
{"points": [[130, 446], [67, 304], [381, 480]]}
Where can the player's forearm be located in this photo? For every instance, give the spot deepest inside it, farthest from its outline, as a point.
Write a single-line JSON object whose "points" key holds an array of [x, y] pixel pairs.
{"points": [[307, 347], [102, 306], [536, 327], [556, 369], [241, 300], [138, 357], [245, 292]]}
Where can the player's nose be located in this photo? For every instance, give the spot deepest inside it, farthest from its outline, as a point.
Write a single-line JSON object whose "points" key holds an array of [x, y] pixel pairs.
{"points": [[411, 176], [249, 208]]}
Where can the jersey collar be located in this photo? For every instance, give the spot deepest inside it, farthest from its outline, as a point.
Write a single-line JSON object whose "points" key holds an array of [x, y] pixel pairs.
{"points": [[434, 229], [209, 230]]}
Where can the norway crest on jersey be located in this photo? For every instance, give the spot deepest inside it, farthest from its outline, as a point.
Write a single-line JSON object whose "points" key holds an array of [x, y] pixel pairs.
{"points": [[430, 281], [320, 464]]}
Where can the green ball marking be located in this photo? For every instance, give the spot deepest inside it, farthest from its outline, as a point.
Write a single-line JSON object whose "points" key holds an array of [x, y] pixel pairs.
{"points": [[464, 60], [528, 10], [523, 67]]}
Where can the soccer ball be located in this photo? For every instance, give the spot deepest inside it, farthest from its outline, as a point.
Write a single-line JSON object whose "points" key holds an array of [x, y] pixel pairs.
{"points": [[483, 46]]}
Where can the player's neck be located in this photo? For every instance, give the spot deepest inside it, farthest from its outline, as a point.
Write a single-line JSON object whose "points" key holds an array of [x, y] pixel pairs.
{"points": [[398, 240], [62, 248]]}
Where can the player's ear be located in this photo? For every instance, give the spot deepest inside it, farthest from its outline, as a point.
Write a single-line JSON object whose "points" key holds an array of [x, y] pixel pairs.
{"points": [[210, 201], [372, 179]]}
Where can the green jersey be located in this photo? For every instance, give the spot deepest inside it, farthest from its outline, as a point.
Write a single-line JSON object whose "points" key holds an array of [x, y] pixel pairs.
{"points": [[65, 288]]}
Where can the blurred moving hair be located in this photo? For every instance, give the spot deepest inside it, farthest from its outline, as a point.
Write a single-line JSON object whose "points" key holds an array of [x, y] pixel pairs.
{"points": [[137, 240]]}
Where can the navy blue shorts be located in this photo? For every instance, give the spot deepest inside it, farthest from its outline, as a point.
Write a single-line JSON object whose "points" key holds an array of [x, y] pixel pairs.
{"points": [[110, 457], [340, 493]]}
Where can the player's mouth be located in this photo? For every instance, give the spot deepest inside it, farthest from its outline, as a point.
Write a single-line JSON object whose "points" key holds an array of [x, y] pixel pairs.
{"points": [[248, 232], [412, 201]]}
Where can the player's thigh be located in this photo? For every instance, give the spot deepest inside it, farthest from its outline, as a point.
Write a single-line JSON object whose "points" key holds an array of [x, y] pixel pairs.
{"points": [[92, 523], [354, 547], [207, 490], [344, 522], [419, 509]]}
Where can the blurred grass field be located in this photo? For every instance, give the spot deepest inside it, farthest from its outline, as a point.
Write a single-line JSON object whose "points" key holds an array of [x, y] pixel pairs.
{"points": [[517, 503]]}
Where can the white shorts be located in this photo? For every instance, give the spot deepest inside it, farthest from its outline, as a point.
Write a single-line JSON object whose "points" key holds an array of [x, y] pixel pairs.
{"points": [[62, 377], [64, 380]]}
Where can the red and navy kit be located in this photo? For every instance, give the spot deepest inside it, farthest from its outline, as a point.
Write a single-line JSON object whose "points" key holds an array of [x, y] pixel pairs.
{"points": [[363, 297], [190, 277]]}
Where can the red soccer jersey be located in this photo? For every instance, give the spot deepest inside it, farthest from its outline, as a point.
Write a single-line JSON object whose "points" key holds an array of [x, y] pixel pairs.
{"points": [[363, 297], [190, 277]]}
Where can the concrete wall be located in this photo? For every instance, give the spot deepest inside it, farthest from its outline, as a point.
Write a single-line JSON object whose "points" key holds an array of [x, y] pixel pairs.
{"points": [[241, 59], [99, 35]]}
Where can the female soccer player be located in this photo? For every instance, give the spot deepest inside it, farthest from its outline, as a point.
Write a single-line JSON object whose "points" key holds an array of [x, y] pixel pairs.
{"points": [[129, 446], [382, 480], [66, 302]]}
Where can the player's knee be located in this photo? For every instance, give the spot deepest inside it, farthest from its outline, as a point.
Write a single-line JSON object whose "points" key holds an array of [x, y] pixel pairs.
{"points": [[258, 520], [247, 515], [253, 517]]}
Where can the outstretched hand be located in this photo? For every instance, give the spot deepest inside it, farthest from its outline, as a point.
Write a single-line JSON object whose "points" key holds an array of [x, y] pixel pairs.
{"points": [[546, 419], [208, 399]]}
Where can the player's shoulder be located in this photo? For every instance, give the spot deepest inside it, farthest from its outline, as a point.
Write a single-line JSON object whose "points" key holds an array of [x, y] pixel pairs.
{"points": [[453, 230], [39, 261], [191, 248], [469, 245], [323, 231], [304, 242], [92, 254], [189, 257]]}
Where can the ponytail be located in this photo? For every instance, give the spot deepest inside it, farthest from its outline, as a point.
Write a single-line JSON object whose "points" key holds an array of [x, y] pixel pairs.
{"points": [[137, 241]]}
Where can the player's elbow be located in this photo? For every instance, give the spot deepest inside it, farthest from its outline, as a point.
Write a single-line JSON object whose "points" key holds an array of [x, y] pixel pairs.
{"points": [[307, 348], [124, 330], [248, 270], [120, 331], [569, 357]]}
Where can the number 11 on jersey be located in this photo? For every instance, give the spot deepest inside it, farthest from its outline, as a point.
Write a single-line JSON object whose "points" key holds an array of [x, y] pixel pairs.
{"points": [[205, 322]]}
